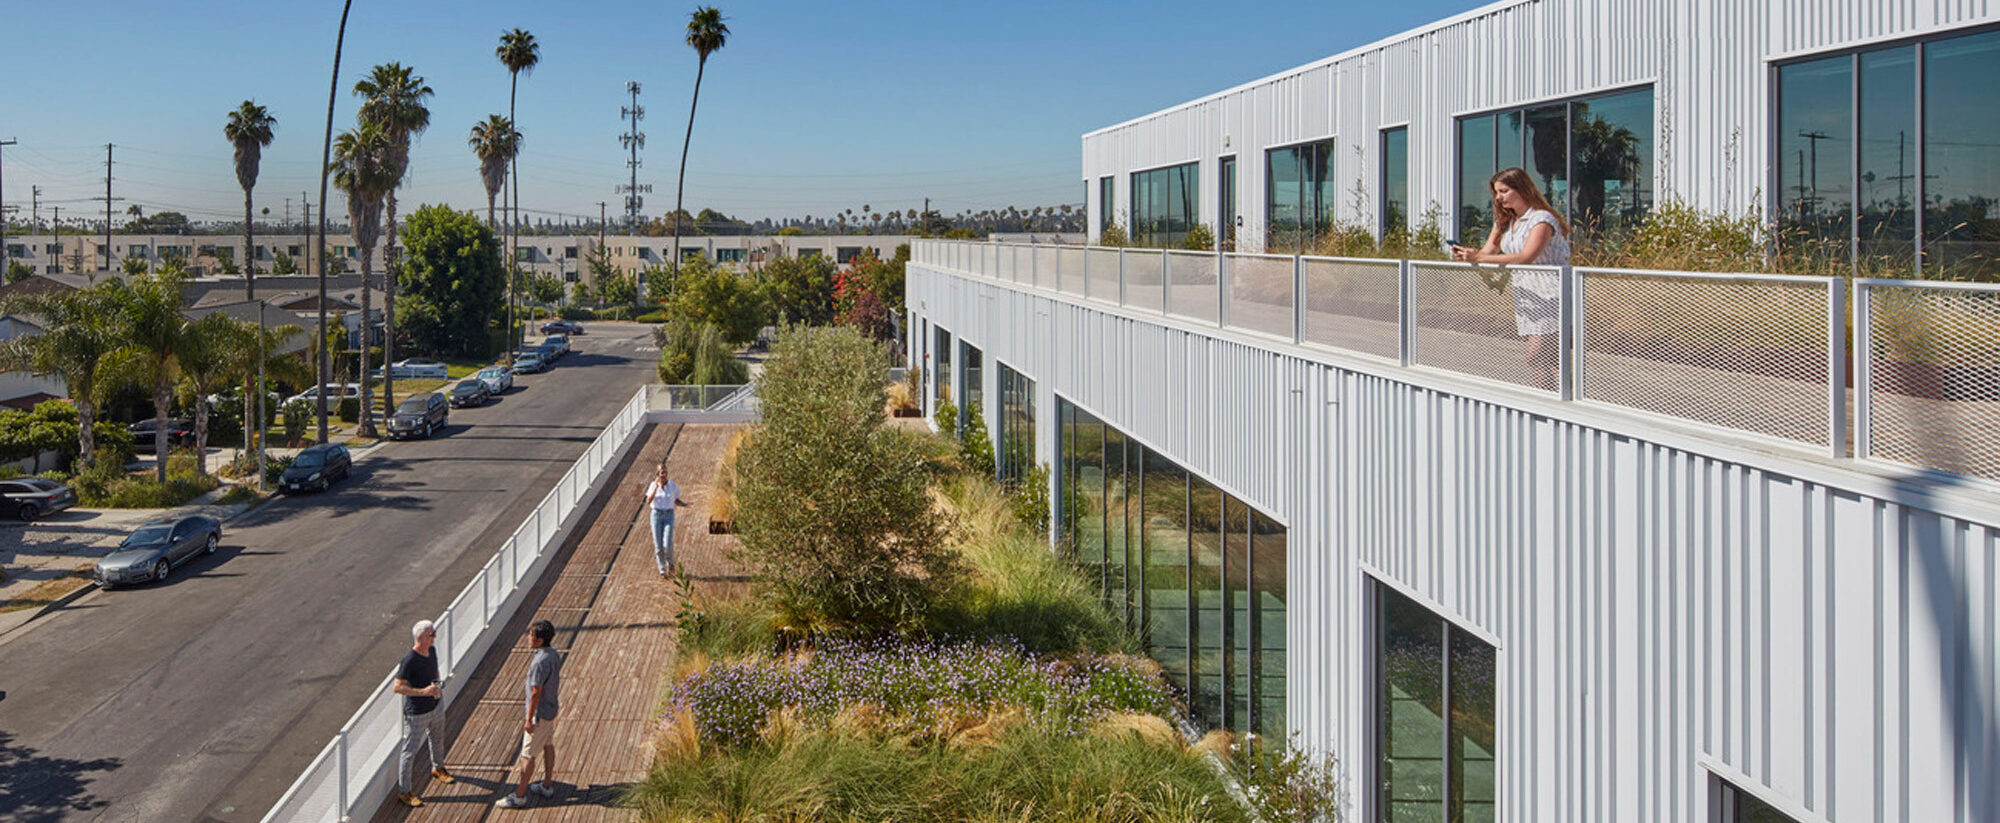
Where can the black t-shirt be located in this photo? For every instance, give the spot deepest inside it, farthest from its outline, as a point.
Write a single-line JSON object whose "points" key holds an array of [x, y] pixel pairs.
{"points": [[418, 671]]}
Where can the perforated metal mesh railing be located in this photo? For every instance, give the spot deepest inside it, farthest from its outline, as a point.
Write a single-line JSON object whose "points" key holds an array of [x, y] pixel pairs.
{"points": [[1260, 292], [1194, 287], [1744, 351], [1930, 392], [1476, 319], [1145, 279], [1101, 275], [1354, 304]]}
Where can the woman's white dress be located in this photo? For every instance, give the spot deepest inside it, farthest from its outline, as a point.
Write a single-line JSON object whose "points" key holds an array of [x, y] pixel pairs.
{"points": [[1537, 293]]}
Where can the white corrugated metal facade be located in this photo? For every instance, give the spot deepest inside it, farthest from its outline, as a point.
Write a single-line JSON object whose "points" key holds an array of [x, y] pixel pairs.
{"points": [[1707, 61], [1670, 606]]}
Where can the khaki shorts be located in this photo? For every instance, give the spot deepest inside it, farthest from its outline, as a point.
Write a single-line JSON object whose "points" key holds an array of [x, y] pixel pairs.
{"points": [[533, 742]]}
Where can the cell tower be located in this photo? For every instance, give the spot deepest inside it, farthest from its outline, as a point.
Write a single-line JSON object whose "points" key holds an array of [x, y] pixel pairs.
{"points": [[634, 140]]}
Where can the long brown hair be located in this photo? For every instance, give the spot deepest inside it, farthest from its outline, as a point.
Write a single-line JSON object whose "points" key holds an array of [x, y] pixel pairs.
{"points": [[1517, 179]]}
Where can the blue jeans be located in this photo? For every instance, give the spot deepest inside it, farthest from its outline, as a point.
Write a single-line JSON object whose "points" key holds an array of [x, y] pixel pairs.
{"points": [[663, 538]]}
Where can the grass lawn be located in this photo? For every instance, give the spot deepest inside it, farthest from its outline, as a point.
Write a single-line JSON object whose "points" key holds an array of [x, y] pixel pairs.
{"points": [[49, 591]]}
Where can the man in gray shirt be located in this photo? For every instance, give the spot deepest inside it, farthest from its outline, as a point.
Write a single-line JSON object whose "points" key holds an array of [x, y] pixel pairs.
{"points": [[544, 685]]}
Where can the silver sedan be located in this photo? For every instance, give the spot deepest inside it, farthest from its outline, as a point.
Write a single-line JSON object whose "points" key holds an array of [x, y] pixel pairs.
{"points": [[151, 551]]}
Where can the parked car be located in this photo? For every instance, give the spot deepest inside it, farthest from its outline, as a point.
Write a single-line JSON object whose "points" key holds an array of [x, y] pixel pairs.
{"points": [[561, 342], [416, 368], [529, 361], [549, 351], [179, 433], [498, 379], [316, 468], [562, 327], [334, 394], [152, 551], [469, 392], [31, 497], [421, 414]]}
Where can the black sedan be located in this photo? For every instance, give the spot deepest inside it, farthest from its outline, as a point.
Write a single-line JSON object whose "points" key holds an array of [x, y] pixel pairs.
{"points": [[151, 551], [562, 327], [179, 433], [316, 468], [31, 497], [470, 392]]}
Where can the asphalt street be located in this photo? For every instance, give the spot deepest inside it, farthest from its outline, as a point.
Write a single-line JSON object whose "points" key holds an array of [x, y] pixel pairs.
{"points": [[204, 698]]}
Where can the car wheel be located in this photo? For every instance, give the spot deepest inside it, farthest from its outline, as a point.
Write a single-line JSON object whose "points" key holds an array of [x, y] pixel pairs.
{"points": [[214, 540], [161, 570], [29, 511]]}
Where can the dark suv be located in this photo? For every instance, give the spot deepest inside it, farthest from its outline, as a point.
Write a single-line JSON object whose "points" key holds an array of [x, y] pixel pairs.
{"points": [[421, 414], [179, 433]]}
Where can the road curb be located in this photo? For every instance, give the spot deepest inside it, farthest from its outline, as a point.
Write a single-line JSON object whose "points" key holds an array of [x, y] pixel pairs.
{"points": [[36, 614]]}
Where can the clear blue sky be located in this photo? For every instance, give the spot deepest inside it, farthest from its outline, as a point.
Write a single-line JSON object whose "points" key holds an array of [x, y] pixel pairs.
{"points": [[812, 107]]}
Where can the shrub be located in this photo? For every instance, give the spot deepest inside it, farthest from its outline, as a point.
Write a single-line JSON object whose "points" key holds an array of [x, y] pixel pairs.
{"points": [[576, 313], [715, 362], [1015, 586], [946, 416], [1113, 235], [676, 340], [297, 414], [349, 409], [239, 494], [1199, 238], [615, 313], [1028, 496], [833, 508], [1286, 784], [654, 317], [974, 444]]}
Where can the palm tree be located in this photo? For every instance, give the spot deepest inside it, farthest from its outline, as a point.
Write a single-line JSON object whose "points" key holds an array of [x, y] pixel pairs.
{"points": [[153, 335], [705, 34], [519, 52], [395, 103], [250, 364], [207, 356], [495, 142], [249, 129], [364, 168], [79, 336]]}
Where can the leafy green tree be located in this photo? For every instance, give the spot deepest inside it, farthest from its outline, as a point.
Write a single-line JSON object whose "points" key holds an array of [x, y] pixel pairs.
{"points": [[162, 222], [249, 130], [365, 168], [283, 263], [545, 288], [617, 290], [210, 349], [79, 334], [18, 271], [714, 294], [395, 103], [706, 34], [579, 293], [452, 281], [153, 335], [134, 266], [800, 290], [834, 507]]}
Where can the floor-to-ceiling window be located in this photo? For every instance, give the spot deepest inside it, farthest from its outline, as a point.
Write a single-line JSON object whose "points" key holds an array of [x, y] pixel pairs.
{"points": [[1592, 158], [1919, 117], [1107, 201], [942, 346], [1016, 445], [972, 365], [1733, 805], [1395, 206], [1165, 204], [1195, 571], [1300, 191], [1435, 703], [1225, 223]]}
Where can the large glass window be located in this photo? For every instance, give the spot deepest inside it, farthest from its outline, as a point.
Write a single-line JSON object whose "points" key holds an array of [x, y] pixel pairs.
{"points": [[1925, 196], [1395, 209], [1016, 444], [1164, 204], [971, 363], [1107, 200], [1225, 223], [1962, 155], [1437, 718], [1197, 573], [1733, 805], [1591, 157], [1300, 184], [944, 376]]}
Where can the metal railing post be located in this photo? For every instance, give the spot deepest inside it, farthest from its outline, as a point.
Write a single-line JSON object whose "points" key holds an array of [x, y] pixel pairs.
{"points": [[1086, 272], [1864, 371], [1166, 285], [1225, 278], [1121, 277], [444, 633], [1219, 258], [1034, 266], [1836, 368], [1298, 298], [1569, 351], [340, 749], [1406, 312]]}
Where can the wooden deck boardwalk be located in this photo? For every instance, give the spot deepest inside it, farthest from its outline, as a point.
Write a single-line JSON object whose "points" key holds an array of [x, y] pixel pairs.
{"points": [[614, 623]]}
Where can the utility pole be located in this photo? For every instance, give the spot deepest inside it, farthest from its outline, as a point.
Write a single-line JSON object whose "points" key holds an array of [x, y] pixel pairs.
{"points": [[55, 225], [288, 214], [107, 206], [307, 268], [35, 208], [1812, 179], [633, 140], [600, 224], [3, 208]]}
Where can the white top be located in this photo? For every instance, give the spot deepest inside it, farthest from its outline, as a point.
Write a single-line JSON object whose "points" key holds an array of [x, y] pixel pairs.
{"points": [[663, 498], [1515, 238]]}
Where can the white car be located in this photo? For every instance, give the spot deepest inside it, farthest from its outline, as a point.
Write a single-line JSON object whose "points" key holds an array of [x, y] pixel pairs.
{"points": [[334, 394], [416, 368], [497, 378]]}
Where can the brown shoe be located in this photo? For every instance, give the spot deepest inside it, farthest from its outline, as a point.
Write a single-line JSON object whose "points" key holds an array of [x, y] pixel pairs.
{"points": [[410, 799], [440, 775]]}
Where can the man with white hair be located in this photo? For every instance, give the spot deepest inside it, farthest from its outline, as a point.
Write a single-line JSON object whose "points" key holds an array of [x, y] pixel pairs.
{"points": [[417, 681]]}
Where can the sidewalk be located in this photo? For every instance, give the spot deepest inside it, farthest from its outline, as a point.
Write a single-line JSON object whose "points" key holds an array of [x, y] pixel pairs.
{"points": [[614, 624]]}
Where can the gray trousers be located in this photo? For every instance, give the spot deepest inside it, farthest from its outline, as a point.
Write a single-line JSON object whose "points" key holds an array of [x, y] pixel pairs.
{"points": [[418, 730]]}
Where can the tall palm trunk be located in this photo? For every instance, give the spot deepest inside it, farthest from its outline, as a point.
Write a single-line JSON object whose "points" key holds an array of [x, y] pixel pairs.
{"points": [[680, 184], [86, 420], [513, 216], [491, 221], [163, 399], [389, 307], [365, 426], [201, 435], [249, 251]]}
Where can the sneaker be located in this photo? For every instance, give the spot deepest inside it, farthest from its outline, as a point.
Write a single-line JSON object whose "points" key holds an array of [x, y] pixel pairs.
{"points": [[409, 799], [542, 788], [440, 775], [512, 801]]}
